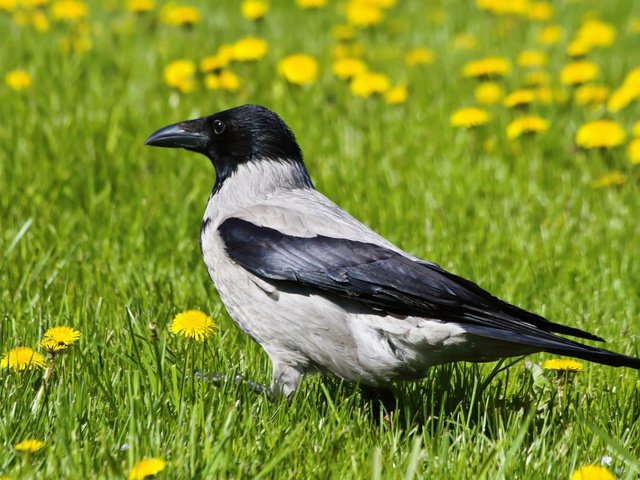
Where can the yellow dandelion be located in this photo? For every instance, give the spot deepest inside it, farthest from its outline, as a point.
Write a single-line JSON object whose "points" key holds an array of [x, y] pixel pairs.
{"points": [[35, 3], [487, 68], [22, 358], [634, 151], [224, 80], [147, 467], [610, 179], [250, 49], [488, 93], [620, 99], [600, 134], [560, 364], [635, 130], [591, 94], [193, 324], [578, 48], [180, 15], [59, 338], [254, 9], [311, 4], [532, 59], [72, 10], [528, 124], [596, 33], [465, 41], [343, 32], [579, 72], [396, 95], [369, 83], [469, 117], [519, 98], [8, 5], [140, 6], [361, 13], [592, 472], [540, 11], [348, 50], [299, 69], [213, 63], [419, 56], [503, 7], [179, 74], [30, 445], [18, 80], [550, 35], [346, 68]]}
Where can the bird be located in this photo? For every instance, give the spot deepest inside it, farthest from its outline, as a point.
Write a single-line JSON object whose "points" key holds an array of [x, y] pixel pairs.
{"points": [[320, 291]]}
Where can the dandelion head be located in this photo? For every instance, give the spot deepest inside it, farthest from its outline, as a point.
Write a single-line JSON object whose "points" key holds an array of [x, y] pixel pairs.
{"points": [[562, 365], [592, 472], [193, 324], [147, 467], [249, 49], [600, 134], [299, 69], [634, 151], [18, 80], [369, 83], [346, 68], [396, 95], [30, 445], [528, 124], [254, 9], [22, 358], [489, 67], [469, 117], [489, 93], [609, 180], [579, 72], [59, 338]]}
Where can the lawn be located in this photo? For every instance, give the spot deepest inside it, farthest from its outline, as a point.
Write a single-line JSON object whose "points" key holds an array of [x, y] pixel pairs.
{"points": [[100, 233]]}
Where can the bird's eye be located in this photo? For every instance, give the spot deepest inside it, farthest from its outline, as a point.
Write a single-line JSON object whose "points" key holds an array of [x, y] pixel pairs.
{"points": [[218, 126]]}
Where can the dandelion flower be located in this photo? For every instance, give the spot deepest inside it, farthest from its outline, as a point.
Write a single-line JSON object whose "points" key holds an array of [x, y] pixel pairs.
{"points": [[540, 11], [562, 365], [579, 72], [519, 98], [30, 445], [600, 134], [550, 35], [369, 83], [489, 93], [487, 68], [621, 98], [254, 9], [610, 179], [346, 68], [592, 472], [193, 324], [59, 338], [526, 125], [213, 63], [635, 130], [22, 358], [299, 69], [69, 10], [532, 59], [596, 33], [578, 48], [140, 6], [396, 95], [634, 151], [8, 5], [591, 94], [179, 74], [419, 56], [147, 467], [224, 80], [249, 49], [18, 80], [343, 32], [309, 4], [469, 117], [180, 15], [361, 13], [536, 78]]}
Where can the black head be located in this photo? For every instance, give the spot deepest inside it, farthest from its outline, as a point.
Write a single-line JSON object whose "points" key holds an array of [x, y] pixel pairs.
{"points": [[230, 138]]}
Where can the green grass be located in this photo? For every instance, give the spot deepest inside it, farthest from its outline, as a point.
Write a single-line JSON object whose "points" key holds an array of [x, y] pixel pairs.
{"points": [[100, 233]]}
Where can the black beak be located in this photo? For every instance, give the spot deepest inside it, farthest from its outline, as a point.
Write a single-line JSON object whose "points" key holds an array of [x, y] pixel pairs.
{"points": [[189, 135]]}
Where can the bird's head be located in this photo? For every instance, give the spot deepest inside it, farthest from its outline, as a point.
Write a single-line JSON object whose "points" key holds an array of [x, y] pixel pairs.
{"points": [[249, 133]]}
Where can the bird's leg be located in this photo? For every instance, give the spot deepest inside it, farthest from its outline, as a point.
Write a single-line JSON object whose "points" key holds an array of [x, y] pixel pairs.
{"points": [[381, 397], [285, 379]]}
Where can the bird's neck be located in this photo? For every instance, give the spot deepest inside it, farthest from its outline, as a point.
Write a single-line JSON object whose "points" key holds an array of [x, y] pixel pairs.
{"points": [[255, 181]]}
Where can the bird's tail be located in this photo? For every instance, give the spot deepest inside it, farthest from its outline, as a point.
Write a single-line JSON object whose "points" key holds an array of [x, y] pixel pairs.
{"points": [[598, 355]]}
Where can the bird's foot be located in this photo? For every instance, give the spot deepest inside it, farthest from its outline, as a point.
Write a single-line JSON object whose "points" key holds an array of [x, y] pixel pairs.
{"points": [[217, 379]]}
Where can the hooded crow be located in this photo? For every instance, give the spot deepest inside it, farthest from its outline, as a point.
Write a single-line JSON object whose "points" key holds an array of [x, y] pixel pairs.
{"points": [[320, 291]]}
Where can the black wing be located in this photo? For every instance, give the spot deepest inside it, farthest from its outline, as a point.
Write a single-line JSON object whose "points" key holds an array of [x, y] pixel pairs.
{"points": [[378, 277]]}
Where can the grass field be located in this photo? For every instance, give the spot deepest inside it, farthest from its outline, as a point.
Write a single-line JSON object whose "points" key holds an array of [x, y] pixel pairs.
{"points": [[100, 233]]}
